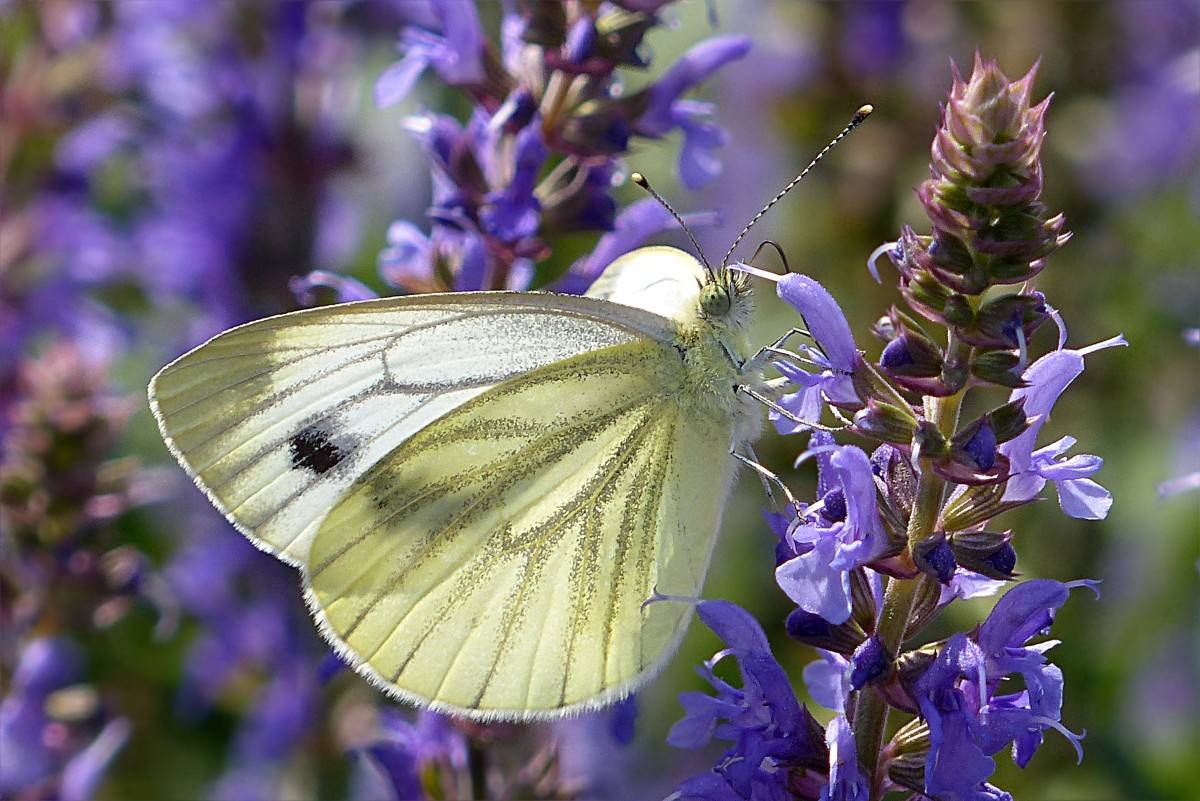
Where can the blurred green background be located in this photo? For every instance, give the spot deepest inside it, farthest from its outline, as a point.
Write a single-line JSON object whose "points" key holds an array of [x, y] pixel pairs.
{"points": [[1120, 161]]}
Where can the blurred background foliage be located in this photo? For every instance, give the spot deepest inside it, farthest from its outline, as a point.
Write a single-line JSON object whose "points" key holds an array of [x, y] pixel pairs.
{"points": [[167, 166]]}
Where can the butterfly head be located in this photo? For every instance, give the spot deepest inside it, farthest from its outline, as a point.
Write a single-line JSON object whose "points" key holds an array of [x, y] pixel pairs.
{"points": [[725, 298]]}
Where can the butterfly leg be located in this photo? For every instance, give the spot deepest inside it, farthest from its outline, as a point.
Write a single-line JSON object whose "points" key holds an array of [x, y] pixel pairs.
{"points": [[766, 475], [784, 413]]}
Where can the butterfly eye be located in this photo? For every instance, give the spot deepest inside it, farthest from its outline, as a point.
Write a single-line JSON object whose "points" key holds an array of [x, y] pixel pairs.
{"points": [[715, 300]]}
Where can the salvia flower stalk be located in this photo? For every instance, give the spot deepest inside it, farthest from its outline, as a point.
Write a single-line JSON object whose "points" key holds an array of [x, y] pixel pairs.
{"points": [[540, 153], [903, 529]]}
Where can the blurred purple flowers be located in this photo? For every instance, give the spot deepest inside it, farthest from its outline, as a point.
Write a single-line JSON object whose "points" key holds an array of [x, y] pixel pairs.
{"points": [[539, 154]]}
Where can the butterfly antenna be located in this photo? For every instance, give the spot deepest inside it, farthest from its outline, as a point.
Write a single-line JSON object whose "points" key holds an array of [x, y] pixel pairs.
{"points": [[641, 181], [857, 120]]}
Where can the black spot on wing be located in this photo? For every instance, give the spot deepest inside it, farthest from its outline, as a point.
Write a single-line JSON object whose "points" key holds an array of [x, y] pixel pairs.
{"points": [[312, 449]]}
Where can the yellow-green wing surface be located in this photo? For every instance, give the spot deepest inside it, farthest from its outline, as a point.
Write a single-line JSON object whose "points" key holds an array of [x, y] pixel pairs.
{"points": [[501, 562], [275, 420]]}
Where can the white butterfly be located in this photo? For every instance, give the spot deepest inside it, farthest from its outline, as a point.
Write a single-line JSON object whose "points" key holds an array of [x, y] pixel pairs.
{"points": [[483, 490], [501, 502]]}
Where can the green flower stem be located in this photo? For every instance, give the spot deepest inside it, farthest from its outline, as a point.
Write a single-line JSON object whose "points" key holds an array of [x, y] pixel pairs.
{"points": [[870, 712]]}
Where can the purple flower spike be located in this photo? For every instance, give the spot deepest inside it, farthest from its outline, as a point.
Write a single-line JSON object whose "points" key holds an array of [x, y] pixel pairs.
{"points": [[818, 579], [1046, 380]]}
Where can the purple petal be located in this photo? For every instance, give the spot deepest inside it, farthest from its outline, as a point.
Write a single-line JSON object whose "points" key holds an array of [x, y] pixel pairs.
{"points": [[345, 289], [1084, 499], [514, 213], [408, 255], [734, 625], [698, 162], [815, 585], [694, 66], [1047, 378], [473, 269], [83, 773], [398, 79], [1021, 613], [828, 681], [846, 780], [965, 584], [1079, 466], [805, 404], [701, 713], [823, 316], [463, 62], [853, 469]]}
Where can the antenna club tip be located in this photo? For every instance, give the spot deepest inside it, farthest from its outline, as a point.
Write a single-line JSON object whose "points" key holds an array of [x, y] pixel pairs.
{"points": [[863, 112], [639, 179]]}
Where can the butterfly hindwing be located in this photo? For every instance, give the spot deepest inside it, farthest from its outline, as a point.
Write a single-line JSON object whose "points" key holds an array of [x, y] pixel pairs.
{"points": [[275, 420], [498, 563]]}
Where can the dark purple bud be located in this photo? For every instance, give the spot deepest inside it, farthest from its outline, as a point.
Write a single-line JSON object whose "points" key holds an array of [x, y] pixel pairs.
{"points": [[895, 355], [1003, 559], [935, 557], [812, 629], [981, 447], [986, 552], [1005, 322], [1009, 421], [516, 111], [870, 662]]}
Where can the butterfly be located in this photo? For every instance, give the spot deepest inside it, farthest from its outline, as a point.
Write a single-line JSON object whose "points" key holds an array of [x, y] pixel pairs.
{"points": [[482, 490], [502, 504]]}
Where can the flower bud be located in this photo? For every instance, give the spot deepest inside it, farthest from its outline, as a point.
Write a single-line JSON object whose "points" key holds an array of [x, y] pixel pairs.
{"points": [[997, 322], [935, 558], [988, 553], [972, 457], [812, 629], [913, 361], [870, 662], [988, 226], [908, 771], [892, 468], [976, 506], [1008, 421], [928, 442], [885, 422], [998, 367]]}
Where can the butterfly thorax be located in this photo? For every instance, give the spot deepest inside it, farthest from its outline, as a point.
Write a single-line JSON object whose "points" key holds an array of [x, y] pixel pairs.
{"points": [[714, 346]]}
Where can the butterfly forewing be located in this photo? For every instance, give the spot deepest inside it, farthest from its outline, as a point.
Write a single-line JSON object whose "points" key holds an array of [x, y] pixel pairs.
{"points": [[277, 419], [498, 563]]}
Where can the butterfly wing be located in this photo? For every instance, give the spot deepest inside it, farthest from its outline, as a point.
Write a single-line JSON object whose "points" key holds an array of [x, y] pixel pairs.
{"points": [[275, 420], [499, 562]]}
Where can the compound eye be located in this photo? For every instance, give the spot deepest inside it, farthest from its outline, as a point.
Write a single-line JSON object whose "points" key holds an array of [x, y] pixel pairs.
{"points": [[715, 301]]}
